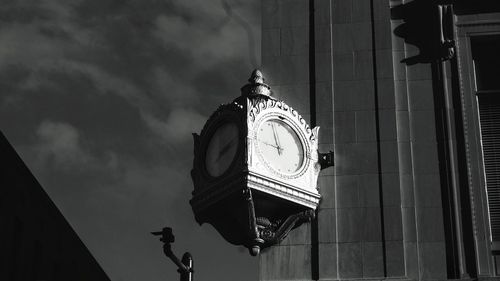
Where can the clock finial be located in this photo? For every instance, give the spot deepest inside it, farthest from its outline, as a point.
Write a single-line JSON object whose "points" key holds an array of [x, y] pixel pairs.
{"points": [[256, 77], [256, 85]]}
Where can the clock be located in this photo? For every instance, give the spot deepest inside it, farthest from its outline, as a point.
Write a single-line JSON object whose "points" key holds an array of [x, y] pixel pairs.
{"points": [[255, 168], [221, 149], [280, 146]]}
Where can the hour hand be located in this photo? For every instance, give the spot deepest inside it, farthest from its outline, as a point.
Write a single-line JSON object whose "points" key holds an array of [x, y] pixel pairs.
{"points": [[224, 149]]}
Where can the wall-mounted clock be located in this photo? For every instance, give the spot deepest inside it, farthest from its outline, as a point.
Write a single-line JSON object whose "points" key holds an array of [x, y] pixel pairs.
{"points": [[255, 168]]}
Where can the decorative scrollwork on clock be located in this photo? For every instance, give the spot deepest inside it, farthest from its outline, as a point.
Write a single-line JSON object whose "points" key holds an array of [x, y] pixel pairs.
{"points": [[261, 104], [274, 232]]}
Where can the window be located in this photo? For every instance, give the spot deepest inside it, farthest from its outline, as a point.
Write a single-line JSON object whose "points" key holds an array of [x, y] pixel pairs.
{"points": [[486, 61]]}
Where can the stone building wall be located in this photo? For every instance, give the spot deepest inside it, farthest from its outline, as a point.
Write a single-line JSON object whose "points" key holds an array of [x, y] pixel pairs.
{"points": [[397, 202]]}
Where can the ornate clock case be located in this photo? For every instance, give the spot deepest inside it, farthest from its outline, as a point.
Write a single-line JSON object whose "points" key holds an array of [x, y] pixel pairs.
{"points": [[255, 169]]}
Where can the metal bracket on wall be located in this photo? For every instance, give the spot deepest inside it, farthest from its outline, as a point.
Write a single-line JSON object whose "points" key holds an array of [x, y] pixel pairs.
{"points": [[446, 34], [326, 159]]}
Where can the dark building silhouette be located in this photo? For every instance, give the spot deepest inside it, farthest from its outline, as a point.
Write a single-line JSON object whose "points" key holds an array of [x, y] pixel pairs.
{"points": [[407, 94], [36, 242]]}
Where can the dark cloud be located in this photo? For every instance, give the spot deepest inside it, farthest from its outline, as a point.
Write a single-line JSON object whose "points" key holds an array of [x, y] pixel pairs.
{"points": [[100, 99]]}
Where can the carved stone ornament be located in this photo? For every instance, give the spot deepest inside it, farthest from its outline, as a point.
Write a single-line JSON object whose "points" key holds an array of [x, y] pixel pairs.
{"points": [[255, 169]]}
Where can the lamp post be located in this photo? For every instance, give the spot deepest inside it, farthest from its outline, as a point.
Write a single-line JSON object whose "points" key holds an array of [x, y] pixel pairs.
{"points": [[184, 266]]}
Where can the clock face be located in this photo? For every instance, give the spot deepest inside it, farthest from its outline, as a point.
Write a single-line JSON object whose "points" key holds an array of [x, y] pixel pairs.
{"points": [[221, 149], [280, 146]]}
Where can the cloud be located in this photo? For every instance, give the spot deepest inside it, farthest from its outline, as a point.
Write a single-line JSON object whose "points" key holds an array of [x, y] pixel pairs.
{"points": [[222, 44], [60, 147], [17, 45], [175, 91], [211, 33], [103, 97], [179, 125], [60, 143], [140, 50]]}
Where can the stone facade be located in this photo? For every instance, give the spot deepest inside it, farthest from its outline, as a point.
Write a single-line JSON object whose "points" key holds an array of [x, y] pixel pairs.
{"points": [[406, 199]]}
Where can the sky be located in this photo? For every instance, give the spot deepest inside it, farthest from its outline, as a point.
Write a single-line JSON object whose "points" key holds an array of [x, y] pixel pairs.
{"points": [[100, 98]]}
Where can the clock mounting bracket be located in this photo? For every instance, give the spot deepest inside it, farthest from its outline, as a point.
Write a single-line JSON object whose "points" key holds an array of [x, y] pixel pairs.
{"points": [[326, 159]]}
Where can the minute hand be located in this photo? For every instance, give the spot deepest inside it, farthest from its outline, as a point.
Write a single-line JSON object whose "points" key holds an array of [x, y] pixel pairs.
{"points": [[276, 138]]}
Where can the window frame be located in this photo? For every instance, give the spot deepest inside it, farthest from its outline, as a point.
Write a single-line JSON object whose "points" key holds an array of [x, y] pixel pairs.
{"points": [[468, 27]]}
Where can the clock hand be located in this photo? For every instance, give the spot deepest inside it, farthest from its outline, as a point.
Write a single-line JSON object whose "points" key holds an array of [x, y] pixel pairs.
{"points": [[266, 143], [272, 145], [224, 149], [276, 139]]}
